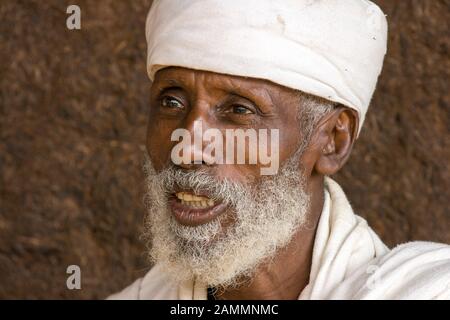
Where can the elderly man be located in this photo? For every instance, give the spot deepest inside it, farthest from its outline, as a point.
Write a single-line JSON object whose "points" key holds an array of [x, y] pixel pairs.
{"points": [[304, 71]]}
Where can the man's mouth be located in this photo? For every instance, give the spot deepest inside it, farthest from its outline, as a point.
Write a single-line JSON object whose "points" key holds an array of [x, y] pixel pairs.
{"points": [[194, 201], [191, 209]]}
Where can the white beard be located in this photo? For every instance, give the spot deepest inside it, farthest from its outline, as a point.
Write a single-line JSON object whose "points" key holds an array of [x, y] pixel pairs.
{"points": [[266, 218]]}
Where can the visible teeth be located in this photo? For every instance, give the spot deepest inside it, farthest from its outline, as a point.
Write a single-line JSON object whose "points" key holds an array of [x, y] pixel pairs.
{"points": [[194, 201], [190, 197]]}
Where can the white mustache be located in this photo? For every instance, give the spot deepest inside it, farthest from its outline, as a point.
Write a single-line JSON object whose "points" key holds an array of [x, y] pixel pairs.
{"points": [[202, 182]]}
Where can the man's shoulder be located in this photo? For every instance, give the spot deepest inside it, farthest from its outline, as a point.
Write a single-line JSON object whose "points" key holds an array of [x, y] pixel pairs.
{"points": [[155, 285], [414, 270]]}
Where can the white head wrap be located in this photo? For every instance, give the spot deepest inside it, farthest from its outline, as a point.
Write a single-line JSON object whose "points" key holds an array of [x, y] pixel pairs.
{"points": [[333, 49]]}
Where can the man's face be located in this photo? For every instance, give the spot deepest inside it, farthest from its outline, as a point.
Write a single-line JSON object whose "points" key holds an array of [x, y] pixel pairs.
{"points": [[182, 97], [218, 221]]}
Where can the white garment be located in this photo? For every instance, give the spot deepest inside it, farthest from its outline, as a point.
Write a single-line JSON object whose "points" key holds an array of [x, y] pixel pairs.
{"points": [[349, 262], [333, 49]]}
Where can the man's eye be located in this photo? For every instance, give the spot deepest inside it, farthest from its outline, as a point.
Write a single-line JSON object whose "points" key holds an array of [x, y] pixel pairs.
{"points": [[237, 109], [172, 103]]}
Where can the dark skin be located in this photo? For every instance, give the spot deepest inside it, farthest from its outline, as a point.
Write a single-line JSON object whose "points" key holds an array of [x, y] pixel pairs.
{"points": [[180, 96]]}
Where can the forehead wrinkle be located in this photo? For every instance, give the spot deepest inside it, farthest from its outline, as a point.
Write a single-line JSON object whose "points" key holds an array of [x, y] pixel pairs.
{"points": [[247, 87], [173, 76]]}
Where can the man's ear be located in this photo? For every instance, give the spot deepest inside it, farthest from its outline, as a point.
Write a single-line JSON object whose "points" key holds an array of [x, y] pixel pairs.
{"points": [[333, 140]]}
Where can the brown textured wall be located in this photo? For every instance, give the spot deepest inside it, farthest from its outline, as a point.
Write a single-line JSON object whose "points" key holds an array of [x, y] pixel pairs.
{"points": [[72, 125]]}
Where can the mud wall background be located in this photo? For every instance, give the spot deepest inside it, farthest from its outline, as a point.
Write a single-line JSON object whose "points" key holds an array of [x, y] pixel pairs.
{"points": [[73, 109]]}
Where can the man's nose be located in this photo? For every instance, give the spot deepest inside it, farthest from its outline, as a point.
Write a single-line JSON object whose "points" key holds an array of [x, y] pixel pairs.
{"points": [[196, 146], [197, 158]]}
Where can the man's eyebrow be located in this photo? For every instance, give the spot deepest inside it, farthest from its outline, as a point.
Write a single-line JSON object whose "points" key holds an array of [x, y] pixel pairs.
{"points": [[172, 82], [262, 98], [169, 84]]}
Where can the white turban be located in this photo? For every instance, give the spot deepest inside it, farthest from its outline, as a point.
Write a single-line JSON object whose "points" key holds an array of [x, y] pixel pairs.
{"points": [[333, 49]]}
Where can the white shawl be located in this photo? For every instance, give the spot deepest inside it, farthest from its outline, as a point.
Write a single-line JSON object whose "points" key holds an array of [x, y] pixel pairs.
{"points": [[349, 262]]}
